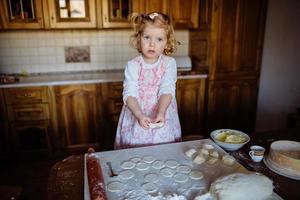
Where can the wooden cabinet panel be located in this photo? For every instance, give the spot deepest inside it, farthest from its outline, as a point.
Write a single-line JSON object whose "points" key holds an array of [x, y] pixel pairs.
{"points": [[185, 14], [28, 112], [22, 14], [72, 14], [146, 6], [190, 95], [78, 110], [232, 104]]}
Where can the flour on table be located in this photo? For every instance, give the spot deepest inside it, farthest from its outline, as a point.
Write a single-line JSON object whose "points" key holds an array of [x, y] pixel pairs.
{"points": [[128, 165], [148, 159], [171, 163], [167, 172], [180, 178], [115, 186], [126, 174], [135, 159], [166, 197], [152, 177], [142, 166], [194, 174], [150, 187], [158, 164], [183, 169]]}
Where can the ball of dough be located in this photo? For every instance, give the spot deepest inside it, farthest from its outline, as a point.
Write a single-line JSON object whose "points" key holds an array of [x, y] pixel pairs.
{"points": [[190, 153], [228, 160]]}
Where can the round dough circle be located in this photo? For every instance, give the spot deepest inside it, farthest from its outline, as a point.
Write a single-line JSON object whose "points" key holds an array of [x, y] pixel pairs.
{"points": [[152, 177], [180, 178], [183, 169], [148, 159], [142, 166], [135, 159], [126, 174], [149, 187], [115, 186], [167, 172], [196, 175], [171, 163], [158, 164], [127, 165]]}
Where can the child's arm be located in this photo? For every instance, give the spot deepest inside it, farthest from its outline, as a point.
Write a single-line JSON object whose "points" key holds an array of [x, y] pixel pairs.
{"points": [[137, 112], [163, 103]]}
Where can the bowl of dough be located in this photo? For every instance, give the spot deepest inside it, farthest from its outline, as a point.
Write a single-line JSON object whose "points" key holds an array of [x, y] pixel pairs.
{"points": [[230, 139]]}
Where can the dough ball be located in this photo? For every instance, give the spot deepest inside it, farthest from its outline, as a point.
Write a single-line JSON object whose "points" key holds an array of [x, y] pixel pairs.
{"points": [[239, 186], [190, 153]]}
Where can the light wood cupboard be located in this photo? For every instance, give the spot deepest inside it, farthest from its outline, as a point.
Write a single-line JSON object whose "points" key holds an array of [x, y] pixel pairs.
{"points": [[22, 14], [72, 14], [79, 120], [146, 6]]}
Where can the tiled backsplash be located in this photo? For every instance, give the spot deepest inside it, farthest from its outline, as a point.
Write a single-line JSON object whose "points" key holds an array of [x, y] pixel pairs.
{"points": [[44, 51]]}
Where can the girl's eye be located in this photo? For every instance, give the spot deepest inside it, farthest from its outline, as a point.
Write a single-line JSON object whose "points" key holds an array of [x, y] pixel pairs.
{"points": [[146, 37], [159, 39]]}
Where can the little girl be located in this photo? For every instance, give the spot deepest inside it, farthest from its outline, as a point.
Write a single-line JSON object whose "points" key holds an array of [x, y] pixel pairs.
{"points": [[149, 86]]}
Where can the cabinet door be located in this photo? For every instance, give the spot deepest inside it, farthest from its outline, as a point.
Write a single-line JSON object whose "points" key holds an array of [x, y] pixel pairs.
{"points": [[184, 13], [21, 14], [190, 100], [116, 13], [147, 6], [237, 32], [232, 104], [78, 116], [72, 13]]}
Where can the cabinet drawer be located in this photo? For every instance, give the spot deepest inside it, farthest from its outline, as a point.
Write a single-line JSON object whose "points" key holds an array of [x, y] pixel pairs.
{"points": [[28, 112], [26, 95], [116, 90]]}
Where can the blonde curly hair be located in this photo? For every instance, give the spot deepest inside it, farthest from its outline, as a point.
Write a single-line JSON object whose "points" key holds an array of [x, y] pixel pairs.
{"points": [[139, 21]]}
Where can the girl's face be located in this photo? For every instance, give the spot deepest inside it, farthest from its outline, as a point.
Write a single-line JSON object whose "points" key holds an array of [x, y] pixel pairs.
{"points": [[153, 43]]}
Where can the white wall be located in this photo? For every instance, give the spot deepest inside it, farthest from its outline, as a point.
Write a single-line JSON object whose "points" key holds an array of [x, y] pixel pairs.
{"points": [[279, 92]]}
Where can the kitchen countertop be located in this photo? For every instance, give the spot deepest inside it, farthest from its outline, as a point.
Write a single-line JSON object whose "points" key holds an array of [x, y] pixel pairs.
{"points": [[83, 78]]}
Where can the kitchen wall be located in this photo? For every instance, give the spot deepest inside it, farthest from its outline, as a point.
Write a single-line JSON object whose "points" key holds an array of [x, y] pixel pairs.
{"points": [[279, 92], [44, 51]]}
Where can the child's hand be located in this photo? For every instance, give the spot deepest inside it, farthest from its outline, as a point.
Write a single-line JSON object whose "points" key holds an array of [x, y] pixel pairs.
{"points": [[159, 118], [144, 121]]}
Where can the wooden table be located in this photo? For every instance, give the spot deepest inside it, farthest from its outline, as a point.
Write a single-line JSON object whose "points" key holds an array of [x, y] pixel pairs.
{"points": [[66, 180]]}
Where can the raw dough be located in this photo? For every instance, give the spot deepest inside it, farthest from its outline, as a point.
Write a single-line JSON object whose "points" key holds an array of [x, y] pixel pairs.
{"points": [[115, 186], [127, 165], [183, 169], [228, 160], [204, 153], [214, 154], [126, 174], [148, 159], [180, 178], [150, 187], [142, 166], [208, 146], [135, 159], [158, 164], [212, 161], [156, 125], [167, 172], [194, 174], [171, 163], [250, 186], [199, 159], [190, 153], [152, 177]]}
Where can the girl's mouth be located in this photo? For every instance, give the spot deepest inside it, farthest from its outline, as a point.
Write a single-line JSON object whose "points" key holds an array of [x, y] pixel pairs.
{"points": [[151, 51]]}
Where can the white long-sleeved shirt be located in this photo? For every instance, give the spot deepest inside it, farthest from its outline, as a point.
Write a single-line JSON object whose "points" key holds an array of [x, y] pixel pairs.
{"points": [[168, 81]]}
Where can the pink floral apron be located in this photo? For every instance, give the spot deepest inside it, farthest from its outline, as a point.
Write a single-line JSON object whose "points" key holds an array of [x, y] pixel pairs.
{"points": [[129, 132]]}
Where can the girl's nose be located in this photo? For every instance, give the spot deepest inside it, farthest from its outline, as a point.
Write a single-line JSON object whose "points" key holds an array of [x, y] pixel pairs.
{"points": [[152, 43]]}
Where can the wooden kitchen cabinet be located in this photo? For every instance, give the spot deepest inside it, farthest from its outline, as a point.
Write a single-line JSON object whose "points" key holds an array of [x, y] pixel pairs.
{"points": [[22, 14], [79, 118], [190, 95], [146, 6], [72, 13], [27, 124]]}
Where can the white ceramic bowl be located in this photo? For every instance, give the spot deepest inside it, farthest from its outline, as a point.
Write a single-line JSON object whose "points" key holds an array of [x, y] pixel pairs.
{"points": [[228, 145]]}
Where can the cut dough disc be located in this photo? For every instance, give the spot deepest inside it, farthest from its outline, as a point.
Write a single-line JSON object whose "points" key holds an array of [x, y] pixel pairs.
{"points": [[142, 166], [171, 163], [158, 164], [148, 159], [135, 159], [183, 169], [196, 175], [126, 174], [152, 177], [180, 178], [115, 186], [149, 187], [128, 165], [167, 172]]}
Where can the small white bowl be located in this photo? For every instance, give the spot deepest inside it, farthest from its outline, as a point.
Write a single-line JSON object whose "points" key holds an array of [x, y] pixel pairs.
{"points": [[226, 145]]}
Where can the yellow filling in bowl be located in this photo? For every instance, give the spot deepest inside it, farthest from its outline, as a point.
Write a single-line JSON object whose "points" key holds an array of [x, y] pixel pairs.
{"points": [[230, 137]]}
